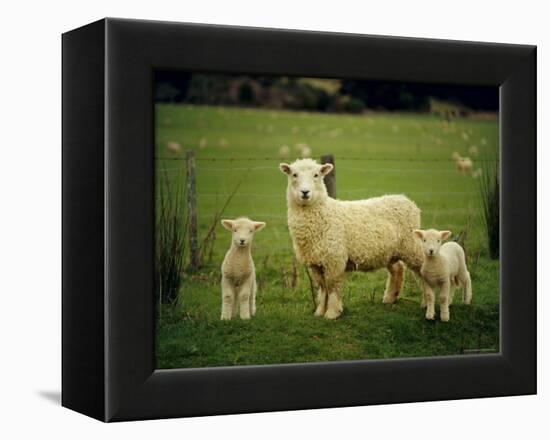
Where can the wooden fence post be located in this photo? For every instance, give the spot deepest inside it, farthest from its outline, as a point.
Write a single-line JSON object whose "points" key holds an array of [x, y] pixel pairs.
{"points": [[192, 212], [330, 179]]}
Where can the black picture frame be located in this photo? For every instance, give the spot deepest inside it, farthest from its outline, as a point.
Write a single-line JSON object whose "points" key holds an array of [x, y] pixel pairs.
{"points": [[108, 220]]}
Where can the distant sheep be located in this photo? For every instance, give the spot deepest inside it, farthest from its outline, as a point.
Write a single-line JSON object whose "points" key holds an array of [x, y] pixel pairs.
{"points": [[306, 152], [303, 149], [464, 165], [444, 268], [284, 151], [173, 147], [238, 271], [333, 236], [223, 143]]}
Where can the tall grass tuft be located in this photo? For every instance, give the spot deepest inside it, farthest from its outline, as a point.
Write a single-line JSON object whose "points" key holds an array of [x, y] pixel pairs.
{"points": [[171, 236], [489, 185]]}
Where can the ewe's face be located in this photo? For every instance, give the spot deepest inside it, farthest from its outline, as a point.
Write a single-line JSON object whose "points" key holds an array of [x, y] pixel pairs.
{"points": [[242, 230], [305, 180], [431, 240]]}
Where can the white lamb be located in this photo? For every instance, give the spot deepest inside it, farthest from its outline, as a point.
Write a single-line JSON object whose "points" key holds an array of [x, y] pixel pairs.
{"points": [[331, 236], [444, 268], [238, 272]]}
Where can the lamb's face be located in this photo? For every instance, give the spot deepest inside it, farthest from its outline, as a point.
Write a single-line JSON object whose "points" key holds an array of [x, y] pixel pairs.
{"points": [[305, 180], [431, 240], [242, 230]]}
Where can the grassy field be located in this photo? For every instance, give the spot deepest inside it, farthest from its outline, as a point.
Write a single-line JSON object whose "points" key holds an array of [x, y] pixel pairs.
{"points": [[376, 154]]}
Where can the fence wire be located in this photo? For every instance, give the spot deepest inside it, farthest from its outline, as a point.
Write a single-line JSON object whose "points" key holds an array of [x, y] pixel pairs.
{"points": [[280, 244], [339, 158]]}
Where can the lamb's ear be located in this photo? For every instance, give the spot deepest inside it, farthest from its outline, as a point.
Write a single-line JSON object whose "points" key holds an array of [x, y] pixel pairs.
{"points": [[228, 224], [445, 234], [326, 168], [285, 168], [258, 225], [419, 233]]}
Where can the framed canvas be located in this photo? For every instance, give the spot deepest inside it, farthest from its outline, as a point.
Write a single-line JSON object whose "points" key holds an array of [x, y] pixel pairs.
{"points": [[173, 132]]}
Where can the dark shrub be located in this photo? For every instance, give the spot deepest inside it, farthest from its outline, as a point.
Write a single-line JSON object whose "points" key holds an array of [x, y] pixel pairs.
{"points": [[354, 105]]}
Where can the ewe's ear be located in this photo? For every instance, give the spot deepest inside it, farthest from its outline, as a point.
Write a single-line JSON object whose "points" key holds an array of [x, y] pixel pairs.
{"points": [[445, 234], [228, 224], [326, 168], [258, 225], [419, 233], [285, 168]]}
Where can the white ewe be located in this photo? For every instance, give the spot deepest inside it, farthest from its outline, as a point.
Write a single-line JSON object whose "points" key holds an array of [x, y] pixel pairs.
{"points": [[331, 236], [238, 272], [444, 268]]}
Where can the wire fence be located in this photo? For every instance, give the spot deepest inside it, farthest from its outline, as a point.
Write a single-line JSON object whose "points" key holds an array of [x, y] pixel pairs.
{"points": [[340, 158], [278, 239], [362, 170]]}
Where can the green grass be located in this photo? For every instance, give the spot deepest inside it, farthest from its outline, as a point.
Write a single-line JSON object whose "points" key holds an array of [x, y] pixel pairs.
{"points": [[375, 154]]}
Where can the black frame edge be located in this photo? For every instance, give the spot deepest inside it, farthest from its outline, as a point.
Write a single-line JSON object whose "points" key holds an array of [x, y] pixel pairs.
{"points": [[518, 129], [83, 79]]}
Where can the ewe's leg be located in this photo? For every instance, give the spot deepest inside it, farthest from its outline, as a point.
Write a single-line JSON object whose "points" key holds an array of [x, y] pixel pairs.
{"points": [[228, 298], [334, 278], [430, 301], [244, 299], [253, 297], [334, 305], [321, 302], [321, 292], [444, 301], [394, 282]]}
